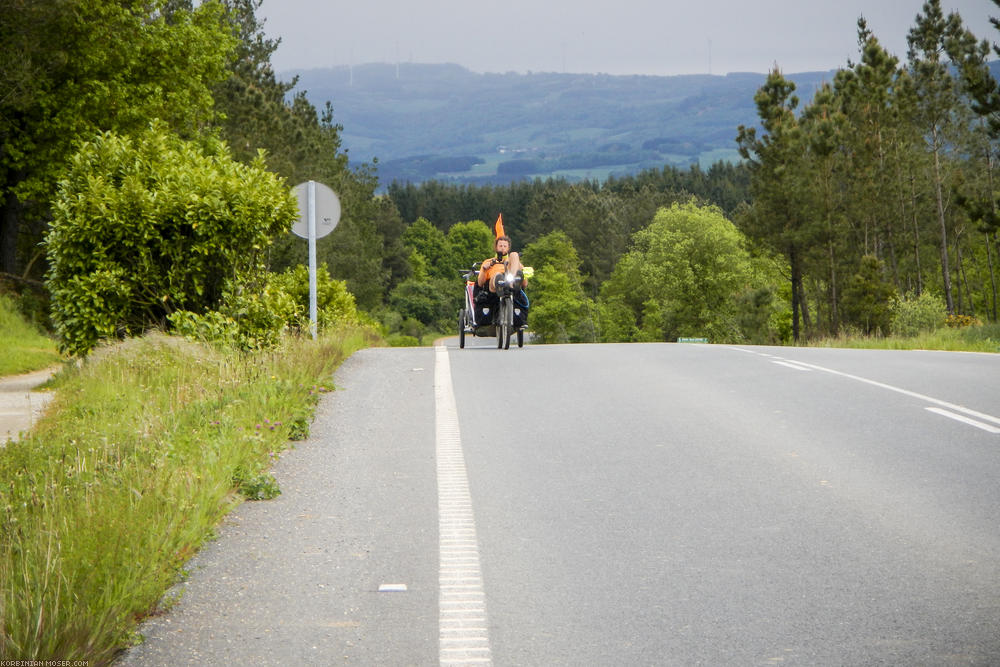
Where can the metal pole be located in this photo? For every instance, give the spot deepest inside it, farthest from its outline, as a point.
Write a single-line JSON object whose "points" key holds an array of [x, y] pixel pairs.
{"points": [[312, 257]]}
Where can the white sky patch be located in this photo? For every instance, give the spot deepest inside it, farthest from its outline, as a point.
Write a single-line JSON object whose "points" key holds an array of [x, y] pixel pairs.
{"points": [[660, 37]]}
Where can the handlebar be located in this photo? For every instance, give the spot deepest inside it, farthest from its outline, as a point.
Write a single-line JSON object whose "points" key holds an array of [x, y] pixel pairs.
{"points": [[469, 274]]}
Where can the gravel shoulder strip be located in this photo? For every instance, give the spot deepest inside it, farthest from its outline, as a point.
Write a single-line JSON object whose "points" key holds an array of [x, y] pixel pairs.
{"points": [[20, 404], [296, 580]]}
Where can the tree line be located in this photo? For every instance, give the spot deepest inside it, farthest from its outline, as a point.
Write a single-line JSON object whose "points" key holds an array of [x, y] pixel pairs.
{"points": [[884, 179], [878, 192], [93, 95]]}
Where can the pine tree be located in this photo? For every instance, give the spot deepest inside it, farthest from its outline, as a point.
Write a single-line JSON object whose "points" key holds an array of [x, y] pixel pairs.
{"points": [[978, 197], [824, 130], [937, 101], [776, 217]]}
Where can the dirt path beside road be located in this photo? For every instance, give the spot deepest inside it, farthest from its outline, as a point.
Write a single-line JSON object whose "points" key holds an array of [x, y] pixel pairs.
{"points": [[20, 403]]}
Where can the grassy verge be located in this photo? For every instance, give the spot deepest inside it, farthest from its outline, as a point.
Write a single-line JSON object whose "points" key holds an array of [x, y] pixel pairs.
{"points": [[143, 450], [984, 338], [23, 348]]}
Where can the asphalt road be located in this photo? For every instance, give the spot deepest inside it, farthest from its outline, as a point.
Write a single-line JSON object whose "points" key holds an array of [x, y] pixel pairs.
{"points": [[633, 505]]}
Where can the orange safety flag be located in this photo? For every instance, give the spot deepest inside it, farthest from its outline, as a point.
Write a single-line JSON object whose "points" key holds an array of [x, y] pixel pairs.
{"points": [[498, 227]]}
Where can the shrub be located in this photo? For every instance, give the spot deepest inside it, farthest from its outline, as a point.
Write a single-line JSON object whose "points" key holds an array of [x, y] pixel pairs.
{"points": [[402, 340], [145, 227], [254, 320], [334, 303], [913, 315], [962, 321], [756, 310], [867, 298], [682, 276], [432, 302], [561, 313]]}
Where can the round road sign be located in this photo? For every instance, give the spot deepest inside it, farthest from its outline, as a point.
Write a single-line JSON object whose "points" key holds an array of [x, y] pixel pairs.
{"points": [[327, 210]]}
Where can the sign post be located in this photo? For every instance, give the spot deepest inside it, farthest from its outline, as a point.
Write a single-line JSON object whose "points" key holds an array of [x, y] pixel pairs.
{"points": [[319, 213]]}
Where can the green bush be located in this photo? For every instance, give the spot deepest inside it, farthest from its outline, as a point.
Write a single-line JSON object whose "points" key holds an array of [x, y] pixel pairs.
{"points": [[616, 321], [561, 313], [756, 312], [560, 310], [144, 227], [334, 303], [255, 483], [402, 340], [913, 315], [959, 321], [257, 319], [867, 299], [244, 321], [682, 277], [433, 302]]}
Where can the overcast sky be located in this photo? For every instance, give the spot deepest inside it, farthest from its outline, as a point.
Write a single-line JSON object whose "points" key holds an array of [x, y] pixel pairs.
{"points": [[615, 37]]}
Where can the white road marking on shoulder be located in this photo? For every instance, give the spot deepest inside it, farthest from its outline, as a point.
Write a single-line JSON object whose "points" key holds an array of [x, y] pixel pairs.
{"points": [[463, 637], [979, 417], [392, 588], [791, 364], [906, 392], [964, 420]]}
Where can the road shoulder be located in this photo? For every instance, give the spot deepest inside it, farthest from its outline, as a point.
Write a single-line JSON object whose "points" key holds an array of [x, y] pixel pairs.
{"points": [[21, 403], [295, 580]]}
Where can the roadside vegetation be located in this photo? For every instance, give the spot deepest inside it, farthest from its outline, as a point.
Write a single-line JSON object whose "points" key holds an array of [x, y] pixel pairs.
{"points": [[920, 323], [23, 346], [145, 447], [974, 338]]}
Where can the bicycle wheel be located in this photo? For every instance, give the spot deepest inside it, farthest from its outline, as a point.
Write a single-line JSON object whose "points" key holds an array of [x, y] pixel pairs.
{"points": [[498, 325], [508, 321], [503, 326], [461, 328]]}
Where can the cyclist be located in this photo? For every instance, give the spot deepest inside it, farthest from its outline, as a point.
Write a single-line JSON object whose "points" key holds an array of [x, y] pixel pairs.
{"points": [[505, 261]]}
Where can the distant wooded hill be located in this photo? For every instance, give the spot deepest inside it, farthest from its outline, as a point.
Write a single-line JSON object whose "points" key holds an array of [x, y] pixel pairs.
{"points": [[444, 122]]}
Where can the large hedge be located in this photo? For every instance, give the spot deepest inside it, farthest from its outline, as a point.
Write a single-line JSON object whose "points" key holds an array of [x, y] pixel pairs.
{"points": [[147, 226]]}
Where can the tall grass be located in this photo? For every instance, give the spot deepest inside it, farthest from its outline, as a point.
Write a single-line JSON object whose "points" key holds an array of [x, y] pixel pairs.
{"points": [[982, 338], [144, 448], [23, 348]]}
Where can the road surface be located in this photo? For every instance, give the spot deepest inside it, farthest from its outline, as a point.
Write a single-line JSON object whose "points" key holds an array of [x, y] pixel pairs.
{"points": [[618, 504]]}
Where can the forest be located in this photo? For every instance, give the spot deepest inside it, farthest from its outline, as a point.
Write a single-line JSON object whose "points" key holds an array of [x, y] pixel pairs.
{"points": [[867, 210]]}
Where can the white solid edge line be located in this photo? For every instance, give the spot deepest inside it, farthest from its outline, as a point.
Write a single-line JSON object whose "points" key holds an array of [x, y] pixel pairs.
{"points": [[964, 419], [790, 364], [907, 392], [898, 390]]}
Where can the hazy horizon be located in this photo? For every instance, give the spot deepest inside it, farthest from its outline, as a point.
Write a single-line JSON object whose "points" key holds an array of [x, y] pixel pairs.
{"points": [[638, 37]]}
